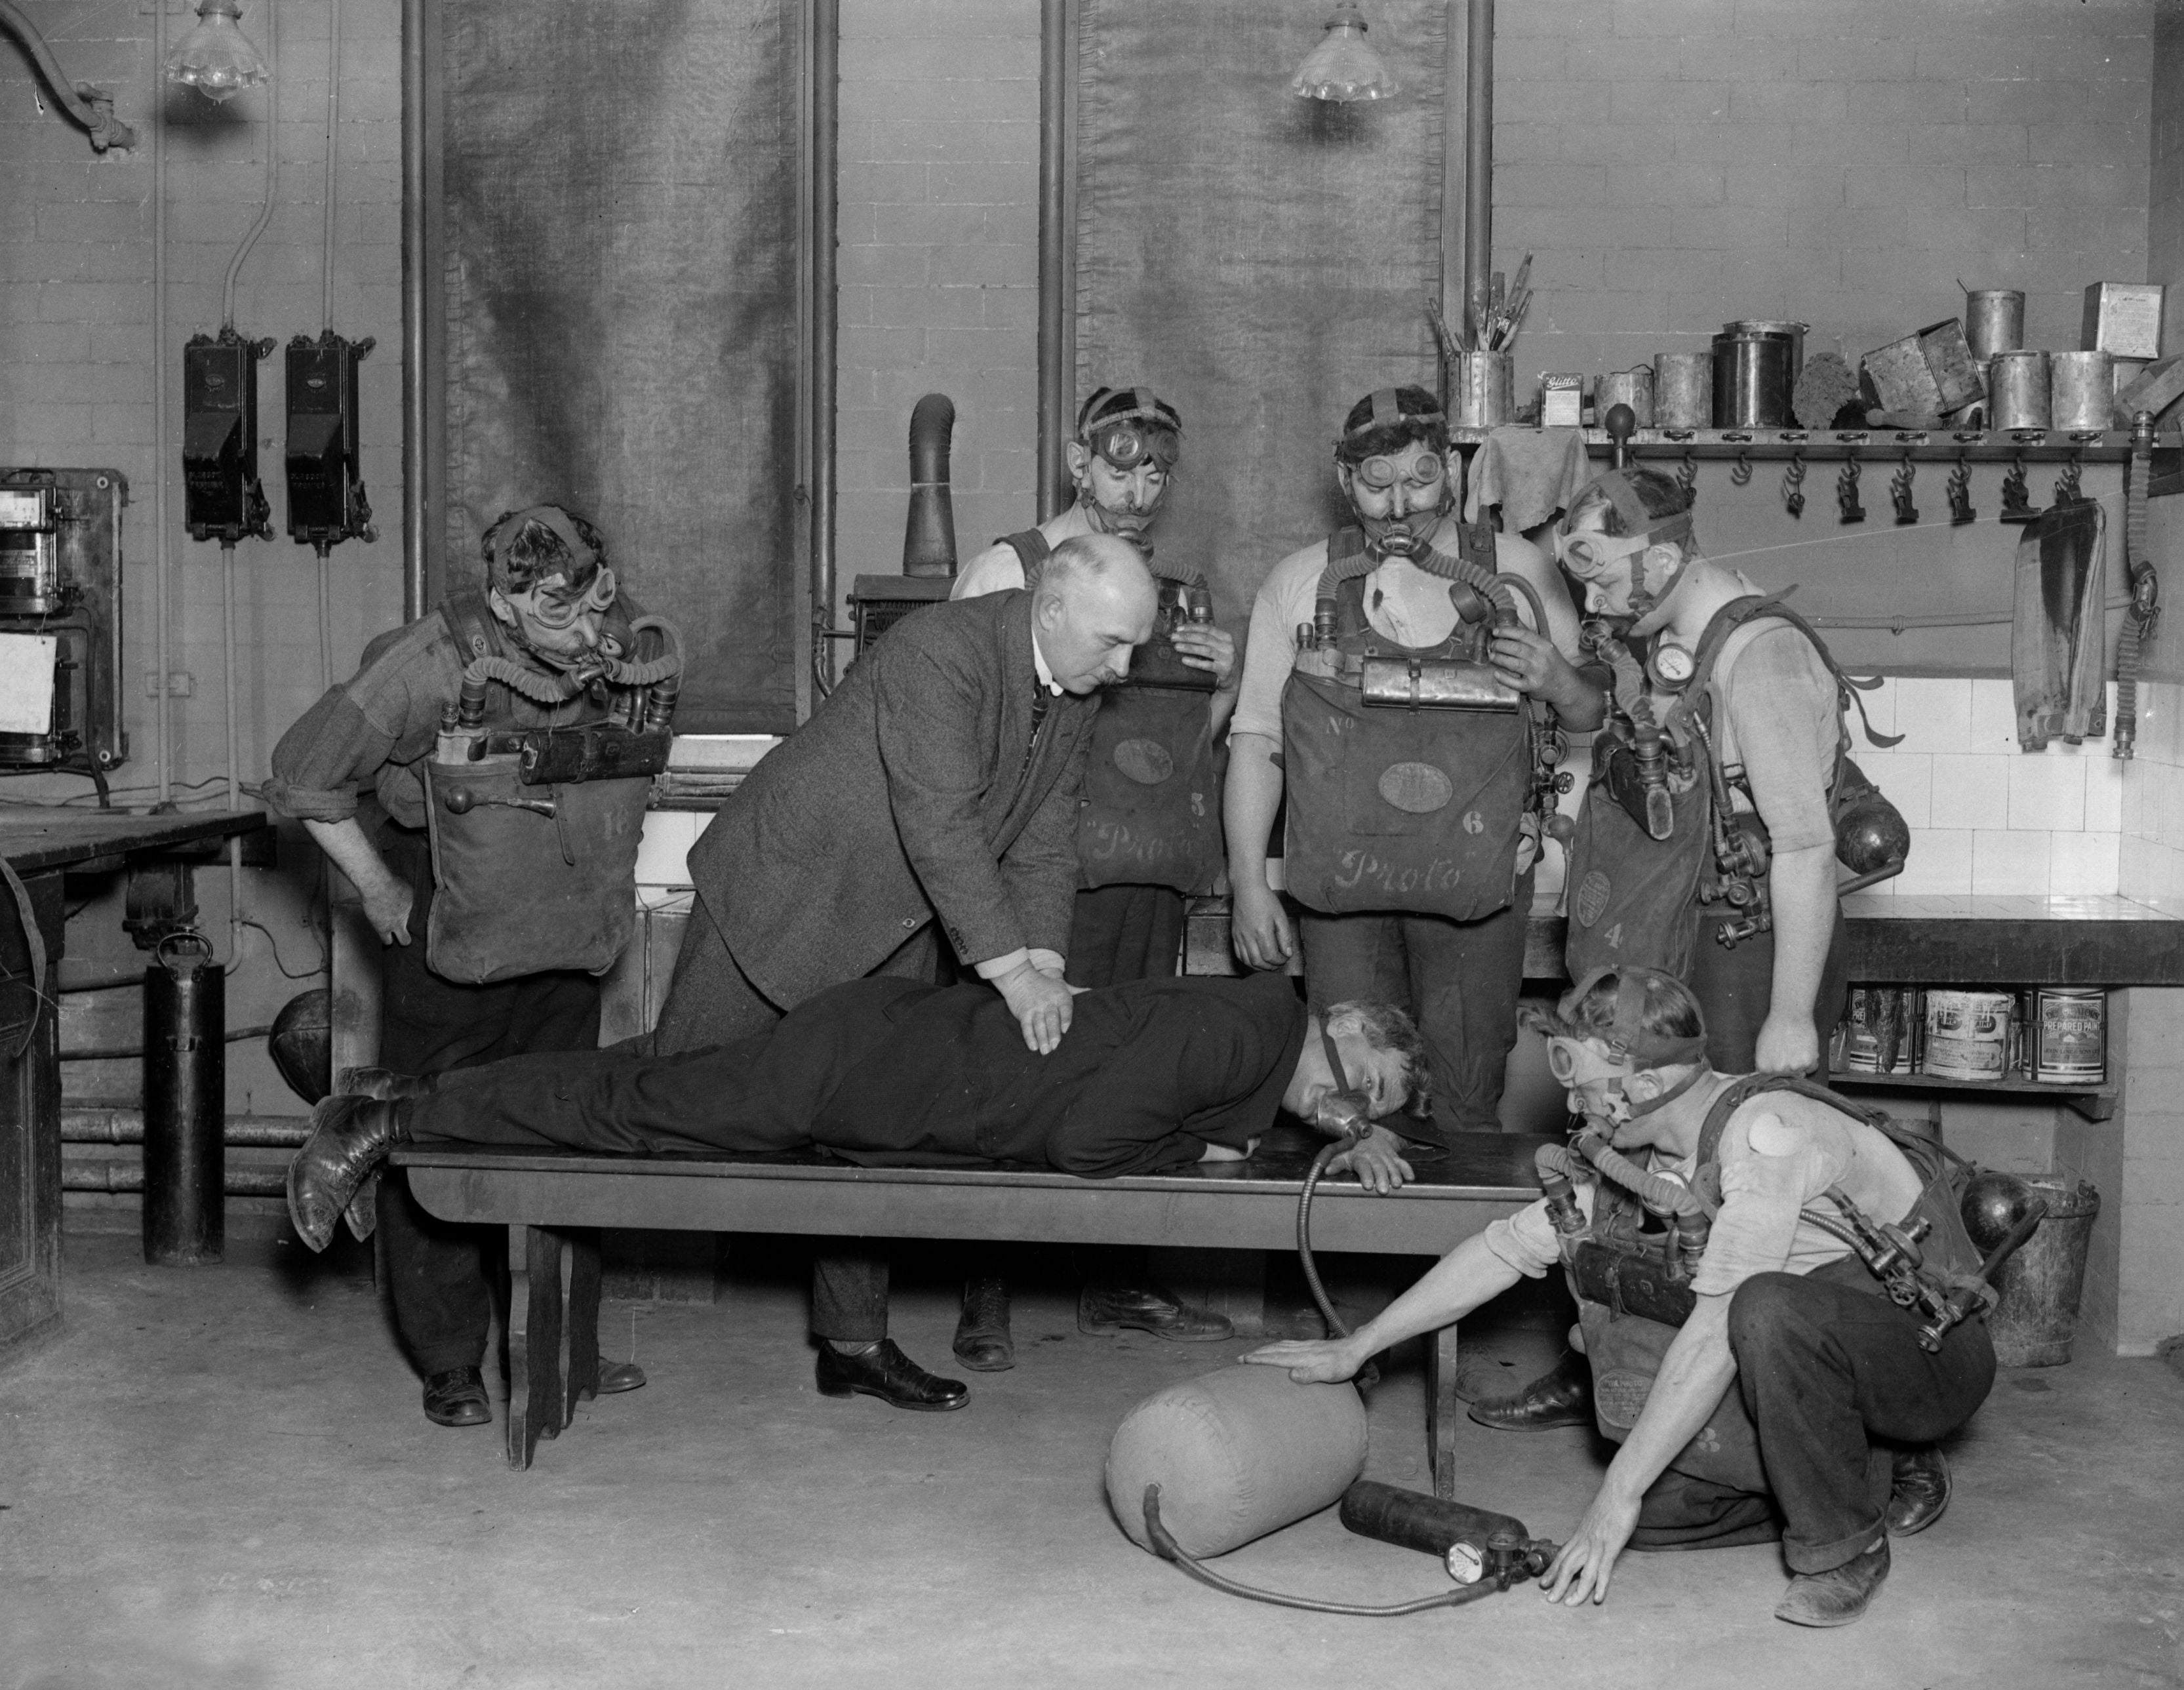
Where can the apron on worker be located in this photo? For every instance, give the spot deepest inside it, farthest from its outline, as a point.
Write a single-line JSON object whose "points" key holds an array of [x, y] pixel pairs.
{"points": [[1394, 804], [1151, 813], [1638, 901], [520, 889]]}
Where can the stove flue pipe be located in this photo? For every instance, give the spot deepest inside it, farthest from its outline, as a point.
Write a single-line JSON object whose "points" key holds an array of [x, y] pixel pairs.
{"points": [[929, 539]]}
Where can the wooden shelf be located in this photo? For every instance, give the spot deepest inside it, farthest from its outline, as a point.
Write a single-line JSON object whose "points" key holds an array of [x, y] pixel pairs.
{"points": [[1881, 445], [2094, 1103]]}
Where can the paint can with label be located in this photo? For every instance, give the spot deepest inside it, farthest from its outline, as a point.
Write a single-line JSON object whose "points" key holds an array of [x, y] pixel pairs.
{"points": [[1967, 1034], [2069, 1033], [1877, 1035]]}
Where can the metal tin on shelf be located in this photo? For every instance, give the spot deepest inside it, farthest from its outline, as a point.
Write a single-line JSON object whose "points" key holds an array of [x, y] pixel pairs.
{"points": [[2124, 318], [1880, 1032], [1967, 1034], [1683, 390], [2068, 1031], [1792, 332], [2081, 388], [2017, 390], [1752, 381], [1994, 320], [1633, 388], [1482, 385]]}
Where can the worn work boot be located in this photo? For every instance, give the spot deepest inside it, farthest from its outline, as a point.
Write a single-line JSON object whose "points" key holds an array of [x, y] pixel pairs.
{"points": [[350, 1137], [1148, 1308], [983, 1343], [1839, 1595], [1921, 1491], [1560, 1397], [615, 1377], [457, 1398]]}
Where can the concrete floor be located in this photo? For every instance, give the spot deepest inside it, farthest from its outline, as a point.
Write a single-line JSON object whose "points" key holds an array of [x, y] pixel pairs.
{"points": [[221, 1477]]}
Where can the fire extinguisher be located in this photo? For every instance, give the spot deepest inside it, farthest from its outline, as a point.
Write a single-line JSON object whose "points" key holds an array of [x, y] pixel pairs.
{"points": [[185, 1102]]}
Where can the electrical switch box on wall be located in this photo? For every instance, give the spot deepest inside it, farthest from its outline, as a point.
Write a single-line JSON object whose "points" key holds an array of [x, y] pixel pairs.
{"points": [[222, 497], [60, 619], [326, 502]]}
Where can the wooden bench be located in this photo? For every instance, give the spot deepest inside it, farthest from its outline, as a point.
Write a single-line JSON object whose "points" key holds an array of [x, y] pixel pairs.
{"points": [[552, 1203]]}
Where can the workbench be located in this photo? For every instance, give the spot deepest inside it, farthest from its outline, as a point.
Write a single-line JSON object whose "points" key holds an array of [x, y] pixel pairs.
{"points": [[41, 845]]}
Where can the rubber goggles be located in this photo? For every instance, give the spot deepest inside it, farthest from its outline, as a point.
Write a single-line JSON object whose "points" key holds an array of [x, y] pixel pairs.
{"points": [[1125, 426], [1578, 1062], [1420, 467], [1586, 553], [552, 604], [1577, 1052]]}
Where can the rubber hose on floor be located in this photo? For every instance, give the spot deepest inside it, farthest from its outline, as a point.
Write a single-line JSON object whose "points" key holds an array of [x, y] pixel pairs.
{"points": [[1168, 1550]]}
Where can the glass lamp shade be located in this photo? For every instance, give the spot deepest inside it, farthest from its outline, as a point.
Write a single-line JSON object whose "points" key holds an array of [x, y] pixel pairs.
{"points": [[216, 58], [1342, 67]]}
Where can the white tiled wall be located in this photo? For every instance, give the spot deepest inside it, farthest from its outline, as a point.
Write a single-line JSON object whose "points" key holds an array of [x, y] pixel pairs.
{"points": [[2151, 865], [1986, 817]]}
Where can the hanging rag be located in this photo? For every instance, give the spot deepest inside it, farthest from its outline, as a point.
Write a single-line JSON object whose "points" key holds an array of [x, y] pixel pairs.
{"points": [[2058, 640], [1530, 473]]}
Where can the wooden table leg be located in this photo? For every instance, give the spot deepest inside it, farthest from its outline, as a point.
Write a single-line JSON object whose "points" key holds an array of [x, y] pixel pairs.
{"points": [[1443, 1409], [536, 1337], [580, 1323]]}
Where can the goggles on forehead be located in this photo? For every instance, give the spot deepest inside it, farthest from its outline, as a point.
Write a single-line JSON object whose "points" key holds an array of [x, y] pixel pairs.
{"points": [[552, 605], [1588, 554], [1420, 465], [1578, 1062]]}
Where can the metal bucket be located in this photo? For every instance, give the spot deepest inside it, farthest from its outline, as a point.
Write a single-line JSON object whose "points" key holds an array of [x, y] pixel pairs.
{"points": [[2041, 1285], [1994, 320], [1683, 390], [1752, 380], [2081, 389], [1968, 1034], [1481, 384], [1792, 332], [2017, 390], [1633, 388]]}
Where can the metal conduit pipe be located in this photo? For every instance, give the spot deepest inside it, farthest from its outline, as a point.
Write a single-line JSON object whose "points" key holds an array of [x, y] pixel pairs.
{"points": [[126, 1126], [414, 423], [822, 314], [1478, 155], [1054, 378], [127, 1177]]}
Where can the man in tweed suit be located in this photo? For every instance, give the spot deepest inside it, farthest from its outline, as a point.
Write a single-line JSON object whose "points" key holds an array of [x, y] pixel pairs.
{"points": [[929, 807]]}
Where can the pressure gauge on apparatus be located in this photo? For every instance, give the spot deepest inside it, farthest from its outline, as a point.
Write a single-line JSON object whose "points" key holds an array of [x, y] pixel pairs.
{"points": [[1466, 1562], [1670, 666]]}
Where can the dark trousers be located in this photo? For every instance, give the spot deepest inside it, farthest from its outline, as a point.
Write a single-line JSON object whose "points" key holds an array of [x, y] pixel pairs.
{"points": [[1121, 934], [1734, 987], [440, 1274], [1460, 980], [711, 1001], [1832, 1378]]}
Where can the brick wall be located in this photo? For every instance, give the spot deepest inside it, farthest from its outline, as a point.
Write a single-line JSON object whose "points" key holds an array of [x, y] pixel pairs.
{"points": [[938, 263], [76, 389], [1675, 163]]}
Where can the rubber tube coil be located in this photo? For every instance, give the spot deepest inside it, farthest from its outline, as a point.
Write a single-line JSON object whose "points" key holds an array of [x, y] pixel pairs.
{"points": [[1237, 1454]]}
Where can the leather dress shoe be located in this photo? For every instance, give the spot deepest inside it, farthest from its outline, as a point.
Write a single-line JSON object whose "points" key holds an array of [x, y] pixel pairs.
{"points": [[1560, 1397], [982, 1335], [457, 1398], [1110, 1309], [350, 1135], [885, 1372], [1919, 1492], [617, 1376], [1839, 1595]]}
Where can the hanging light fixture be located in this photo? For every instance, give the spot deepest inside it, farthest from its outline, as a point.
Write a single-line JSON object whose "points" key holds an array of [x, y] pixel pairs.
{"points": [[1342, 67], [216, 58]]}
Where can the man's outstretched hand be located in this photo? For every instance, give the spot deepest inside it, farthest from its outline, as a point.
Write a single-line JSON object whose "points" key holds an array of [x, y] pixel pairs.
{"points": [[1042, 1003], [1313, 1361], [1377, 1160], [1580, 1572]]}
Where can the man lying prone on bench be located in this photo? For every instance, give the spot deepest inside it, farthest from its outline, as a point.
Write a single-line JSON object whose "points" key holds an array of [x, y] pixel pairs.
{"points": [[1152, 1075]]}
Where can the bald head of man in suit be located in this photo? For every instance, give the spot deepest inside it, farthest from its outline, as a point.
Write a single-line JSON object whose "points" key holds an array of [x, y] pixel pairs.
{"points": [[1096, 599]]}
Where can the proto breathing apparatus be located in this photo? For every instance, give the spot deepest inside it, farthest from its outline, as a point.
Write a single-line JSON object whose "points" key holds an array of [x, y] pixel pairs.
{"points": [[1126, 428], [1482, 1551], [1416, 464]]}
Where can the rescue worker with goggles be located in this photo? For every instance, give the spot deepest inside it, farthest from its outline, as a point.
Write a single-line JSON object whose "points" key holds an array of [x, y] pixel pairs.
{"points": [[1706, 846], [1773, 1363], [485, 956], [1405, 681], [1148, 824]]}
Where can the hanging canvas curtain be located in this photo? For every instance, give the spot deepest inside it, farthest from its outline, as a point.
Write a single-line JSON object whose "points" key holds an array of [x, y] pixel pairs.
{"points": [[620, 284], [1261, 260]]}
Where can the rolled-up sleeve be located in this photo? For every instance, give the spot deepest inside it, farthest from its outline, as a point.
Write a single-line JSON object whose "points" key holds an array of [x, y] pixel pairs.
{"points": [[389, 711], [1526, 1240]]}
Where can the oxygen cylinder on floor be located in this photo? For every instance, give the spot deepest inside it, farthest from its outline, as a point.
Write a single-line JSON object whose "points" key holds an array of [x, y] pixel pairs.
{"points": [[185, 1103]]}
